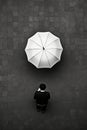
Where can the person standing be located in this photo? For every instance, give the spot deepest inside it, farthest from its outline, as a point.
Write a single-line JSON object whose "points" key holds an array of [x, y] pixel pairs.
{"points": [[41, 97]]}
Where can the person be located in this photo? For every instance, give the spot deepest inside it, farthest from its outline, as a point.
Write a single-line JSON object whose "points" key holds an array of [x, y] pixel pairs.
{"points": [[41, 96]]}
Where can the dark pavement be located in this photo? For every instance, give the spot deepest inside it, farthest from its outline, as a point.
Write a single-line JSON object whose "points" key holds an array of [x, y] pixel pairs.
{"points": [[66, 81]]}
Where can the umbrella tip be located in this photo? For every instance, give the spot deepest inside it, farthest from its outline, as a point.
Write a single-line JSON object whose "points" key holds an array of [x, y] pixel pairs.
{"points": [[43, 48]]}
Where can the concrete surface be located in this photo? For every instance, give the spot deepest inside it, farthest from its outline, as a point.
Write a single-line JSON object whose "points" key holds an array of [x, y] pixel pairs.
{"points": [[66, 81]]}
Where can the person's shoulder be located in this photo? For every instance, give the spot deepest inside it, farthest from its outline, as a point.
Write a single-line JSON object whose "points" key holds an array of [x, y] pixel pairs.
{"points": [[36, 92], [47, 93]]}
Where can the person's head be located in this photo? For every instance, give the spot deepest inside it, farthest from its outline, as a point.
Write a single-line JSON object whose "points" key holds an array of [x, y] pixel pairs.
{"points": [[42, 86]]}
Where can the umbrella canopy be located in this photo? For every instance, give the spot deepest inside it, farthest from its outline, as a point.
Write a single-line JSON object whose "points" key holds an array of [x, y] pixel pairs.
{"points": [[43, 49]]}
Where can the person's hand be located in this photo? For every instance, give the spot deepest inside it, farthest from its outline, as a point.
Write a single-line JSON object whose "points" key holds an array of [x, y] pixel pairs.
{"points": [[38, 89]]}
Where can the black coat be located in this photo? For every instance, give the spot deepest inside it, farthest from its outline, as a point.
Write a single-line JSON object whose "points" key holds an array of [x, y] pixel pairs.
{"points": [[41, 97]]}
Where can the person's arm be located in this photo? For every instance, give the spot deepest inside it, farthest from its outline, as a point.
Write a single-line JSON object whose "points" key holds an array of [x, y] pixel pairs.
{"points": [[48, 95]]}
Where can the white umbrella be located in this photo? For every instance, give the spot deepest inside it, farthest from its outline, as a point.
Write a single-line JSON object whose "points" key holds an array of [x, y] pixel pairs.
{"points": [[43, 49]]}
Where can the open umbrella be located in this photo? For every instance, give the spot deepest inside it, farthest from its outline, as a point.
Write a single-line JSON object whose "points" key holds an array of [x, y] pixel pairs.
{"points": [[43, 49]]}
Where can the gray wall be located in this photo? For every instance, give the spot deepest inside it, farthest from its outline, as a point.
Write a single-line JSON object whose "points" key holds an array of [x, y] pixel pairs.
{"points": [[66, 81]]}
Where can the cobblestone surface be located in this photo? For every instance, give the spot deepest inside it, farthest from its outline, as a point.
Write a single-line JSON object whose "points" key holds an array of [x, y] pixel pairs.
{"points": [[67, 80]]}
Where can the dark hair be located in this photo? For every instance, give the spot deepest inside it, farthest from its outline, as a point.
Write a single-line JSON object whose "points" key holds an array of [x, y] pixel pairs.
{"points": [[42, 86]]}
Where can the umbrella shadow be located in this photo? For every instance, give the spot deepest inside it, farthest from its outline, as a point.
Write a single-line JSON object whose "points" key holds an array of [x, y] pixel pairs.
{"points": [[46, 72]]}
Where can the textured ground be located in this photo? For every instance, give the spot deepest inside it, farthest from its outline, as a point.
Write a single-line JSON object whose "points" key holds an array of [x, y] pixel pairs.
{"points": [[67, 80]]}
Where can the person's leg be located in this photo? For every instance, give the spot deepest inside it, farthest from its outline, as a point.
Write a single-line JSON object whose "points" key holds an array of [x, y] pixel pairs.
{"points": [[38, 107], [43, 108]]}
